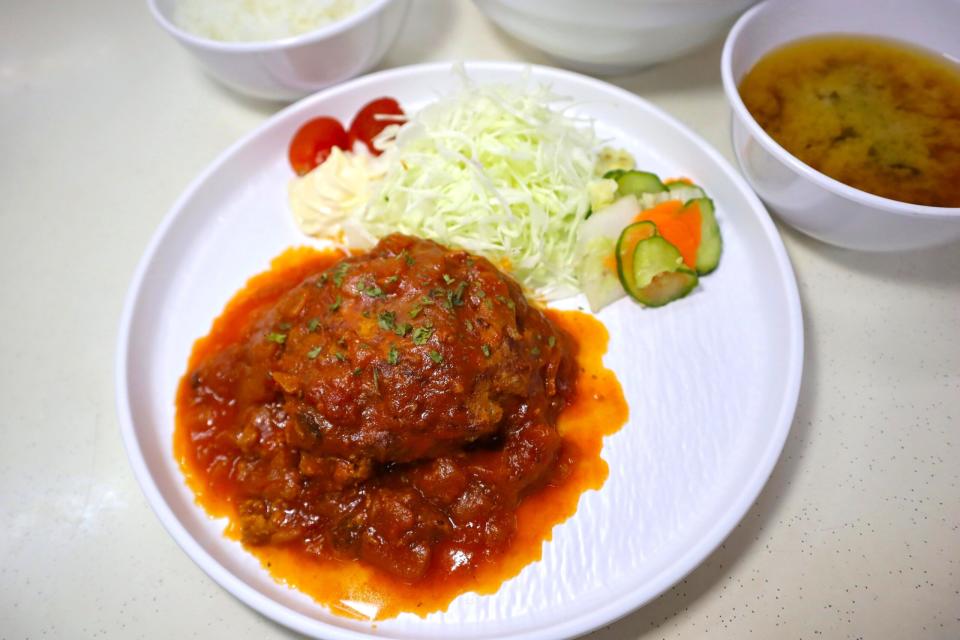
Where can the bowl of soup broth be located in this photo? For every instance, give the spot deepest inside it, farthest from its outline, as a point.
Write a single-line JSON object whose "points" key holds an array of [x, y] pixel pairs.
{"points": [[846, 117]]}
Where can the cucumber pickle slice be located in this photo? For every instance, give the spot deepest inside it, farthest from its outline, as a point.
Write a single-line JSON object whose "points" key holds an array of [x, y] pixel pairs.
{"points": [[636, 182], [711, 243], [627, 244], [657, 274]]}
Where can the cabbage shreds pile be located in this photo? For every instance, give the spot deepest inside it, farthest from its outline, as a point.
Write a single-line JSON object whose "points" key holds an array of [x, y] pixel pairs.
{"points": [[495, 170]]}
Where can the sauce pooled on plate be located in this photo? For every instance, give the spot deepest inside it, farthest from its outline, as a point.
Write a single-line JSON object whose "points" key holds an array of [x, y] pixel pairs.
{"points": [[389, 430]]}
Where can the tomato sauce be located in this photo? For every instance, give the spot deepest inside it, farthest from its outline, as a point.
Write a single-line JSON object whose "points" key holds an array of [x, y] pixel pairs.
{"points": [[356, 589]]}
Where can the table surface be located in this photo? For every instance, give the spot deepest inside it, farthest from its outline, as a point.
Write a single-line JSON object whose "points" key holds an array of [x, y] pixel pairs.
{"points": [[103, 122]]}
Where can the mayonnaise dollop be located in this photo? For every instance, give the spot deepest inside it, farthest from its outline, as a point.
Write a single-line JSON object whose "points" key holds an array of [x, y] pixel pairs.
{"points": [[326, 202]]}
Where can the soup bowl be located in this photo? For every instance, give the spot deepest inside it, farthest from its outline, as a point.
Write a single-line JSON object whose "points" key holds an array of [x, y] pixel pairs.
{"points": [[801, 196], [291, 68]]}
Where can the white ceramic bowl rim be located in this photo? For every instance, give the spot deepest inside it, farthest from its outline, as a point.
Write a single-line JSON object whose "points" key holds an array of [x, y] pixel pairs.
{"points": [[773, 147], [254, 46]]}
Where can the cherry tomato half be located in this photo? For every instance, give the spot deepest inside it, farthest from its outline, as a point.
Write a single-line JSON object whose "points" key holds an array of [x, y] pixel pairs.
{"points": [[313, 142], [366, 125]]}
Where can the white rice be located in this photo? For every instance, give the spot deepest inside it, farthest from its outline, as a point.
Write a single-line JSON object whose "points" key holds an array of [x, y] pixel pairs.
{"points": [[251, 20]]}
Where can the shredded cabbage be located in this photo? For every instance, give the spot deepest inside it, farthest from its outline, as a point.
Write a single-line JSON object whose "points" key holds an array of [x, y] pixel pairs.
{"points": [[498, 170]]}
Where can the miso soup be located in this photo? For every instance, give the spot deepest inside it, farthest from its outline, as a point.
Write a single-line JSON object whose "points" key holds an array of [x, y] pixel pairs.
{"points": [[876, 114]]}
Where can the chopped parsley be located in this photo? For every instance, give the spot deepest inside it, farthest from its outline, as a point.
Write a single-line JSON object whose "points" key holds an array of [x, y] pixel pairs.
{"points": [[336, 303], [407, 258], [393, 357], [552, 341], [448, 279], [403, 329], [486, 350], [535, 351], [387, 320], [421, 335], [415, 311], [313, 324], [279, 338], [339, 356], [313, 353], [468, 324], [457, 297], [507, 301], [370, 288], [357, 371], [339, 272], [322, 280], [435, 356], [392, 279], [285, 326]]}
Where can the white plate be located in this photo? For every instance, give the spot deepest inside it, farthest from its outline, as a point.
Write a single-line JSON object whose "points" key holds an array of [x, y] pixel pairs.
{"points": [[712, 380]]}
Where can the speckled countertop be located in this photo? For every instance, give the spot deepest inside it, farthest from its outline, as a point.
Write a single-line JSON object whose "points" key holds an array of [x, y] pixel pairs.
{"points": [[104, 120]]}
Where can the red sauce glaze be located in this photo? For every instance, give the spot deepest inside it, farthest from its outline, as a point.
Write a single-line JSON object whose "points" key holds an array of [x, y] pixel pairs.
{"points": [[358, 589]]}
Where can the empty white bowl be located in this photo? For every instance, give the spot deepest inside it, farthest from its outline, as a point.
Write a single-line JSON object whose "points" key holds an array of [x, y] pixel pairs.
{"points": [[800, 195], [606, 37], [291, 68]]}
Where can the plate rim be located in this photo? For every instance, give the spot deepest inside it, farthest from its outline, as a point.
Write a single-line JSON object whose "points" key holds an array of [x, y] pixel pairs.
{"points": [[617, 607]]}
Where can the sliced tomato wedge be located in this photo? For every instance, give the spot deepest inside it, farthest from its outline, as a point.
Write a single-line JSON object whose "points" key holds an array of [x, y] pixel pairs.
{"points": [[313, 142], [366, 126]]}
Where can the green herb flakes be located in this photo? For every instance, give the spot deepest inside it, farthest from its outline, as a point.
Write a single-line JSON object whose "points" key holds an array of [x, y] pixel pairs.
{"points": [[339, 272], [457, 297], [486, 350], [370, 288], [313, 353], [387, 320], [403, 329], [313, 324], [552, 341], [393, 357], [421, 335], [336, 303], [279, 338], [448, 279], [436, 356]]}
